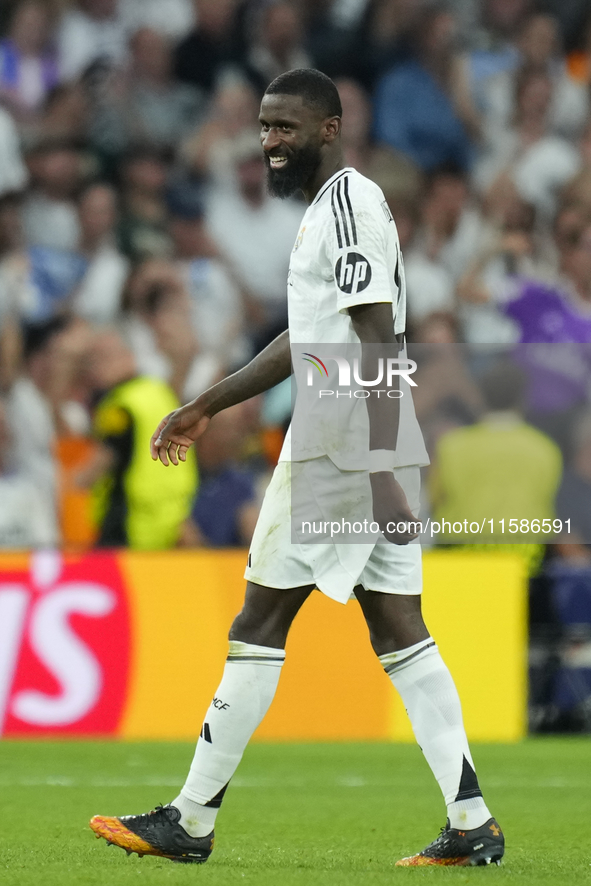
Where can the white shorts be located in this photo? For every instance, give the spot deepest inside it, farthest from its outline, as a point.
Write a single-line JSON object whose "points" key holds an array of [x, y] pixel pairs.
{"points": [[276, 561]]}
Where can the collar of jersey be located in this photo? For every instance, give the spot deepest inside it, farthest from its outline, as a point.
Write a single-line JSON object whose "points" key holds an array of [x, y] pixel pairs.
{"points": [[331, 181]]}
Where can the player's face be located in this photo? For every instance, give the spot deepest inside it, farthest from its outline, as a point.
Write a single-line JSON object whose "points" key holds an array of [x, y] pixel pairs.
{"points": [[291, 139]]}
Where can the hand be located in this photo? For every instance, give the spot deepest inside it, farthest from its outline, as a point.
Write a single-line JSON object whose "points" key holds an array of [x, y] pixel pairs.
{"points": [[390, 506], [177, 431]]}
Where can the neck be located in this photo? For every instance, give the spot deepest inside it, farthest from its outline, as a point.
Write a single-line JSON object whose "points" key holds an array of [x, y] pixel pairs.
{"points": [[329, 165]]}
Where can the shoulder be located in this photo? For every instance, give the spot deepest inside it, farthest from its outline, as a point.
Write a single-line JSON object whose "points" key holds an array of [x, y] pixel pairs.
{"points": [[545, 444], [351, 197], [363, 190], [111, 419]]}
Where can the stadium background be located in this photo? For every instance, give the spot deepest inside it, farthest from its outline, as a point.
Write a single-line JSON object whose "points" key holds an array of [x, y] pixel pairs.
{"points": [[136, 239]]}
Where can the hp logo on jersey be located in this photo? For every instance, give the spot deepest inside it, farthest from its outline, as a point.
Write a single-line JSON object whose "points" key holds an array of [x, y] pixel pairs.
{"points": [[353, 273]]}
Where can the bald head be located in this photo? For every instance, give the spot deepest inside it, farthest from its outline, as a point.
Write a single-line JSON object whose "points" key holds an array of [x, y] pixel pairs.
{"points": [[111, 360]]}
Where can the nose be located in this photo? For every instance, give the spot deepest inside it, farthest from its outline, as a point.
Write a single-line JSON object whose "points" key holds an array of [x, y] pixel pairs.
{"points": [[270, 140]]}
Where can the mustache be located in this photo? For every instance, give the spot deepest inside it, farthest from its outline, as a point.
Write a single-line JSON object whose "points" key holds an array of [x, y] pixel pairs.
{"points": [[300, 167]]}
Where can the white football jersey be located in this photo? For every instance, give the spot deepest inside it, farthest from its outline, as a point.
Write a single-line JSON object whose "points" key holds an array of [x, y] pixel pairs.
{"points": [[346, 253]]}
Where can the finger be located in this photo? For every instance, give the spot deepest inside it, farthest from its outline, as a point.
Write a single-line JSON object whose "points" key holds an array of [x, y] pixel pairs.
{"points": [[154, 445], [156, 439], [172, 453], [163, 455], [183, 452]]}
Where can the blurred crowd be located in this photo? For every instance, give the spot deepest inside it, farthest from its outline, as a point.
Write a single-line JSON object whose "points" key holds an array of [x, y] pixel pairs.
{"points": [[141, 258]]}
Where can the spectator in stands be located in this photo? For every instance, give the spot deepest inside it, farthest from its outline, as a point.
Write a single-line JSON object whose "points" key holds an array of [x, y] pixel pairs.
{"points": [[91, 32], [50, 216], [13, 173], [158, 326], [422, 107], [64, 118], [539, 162], [545, 311], [34, 404], [277, 44], [27, 516], [136, 503], [160, 111], [509, 251], [36, 282], [215, 298], [42, 281], [366, 39], [98, 296], [28, 66], [13, 297], [234, 109], [143, 225], [499, 467], [173, 18], [144, 105], [209, 50], [450, 232], [225, 511], [242, 223], [555, 314], [539, 49], [446, 395], [579, 60], [39, 282], [496, 50], [356, 129]]}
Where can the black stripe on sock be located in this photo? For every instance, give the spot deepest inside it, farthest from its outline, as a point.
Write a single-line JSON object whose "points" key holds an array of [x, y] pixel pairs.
{"points": [[350, 208], [398, 664], [216, 801], [469, 786]]}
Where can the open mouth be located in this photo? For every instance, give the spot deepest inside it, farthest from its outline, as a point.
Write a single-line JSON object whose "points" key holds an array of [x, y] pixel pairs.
{"points": [[277, 162]]}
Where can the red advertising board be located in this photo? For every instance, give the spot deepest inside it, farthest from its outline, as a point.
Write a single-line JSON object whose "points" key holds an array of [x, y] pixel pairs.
{"points": [[64, 646]]}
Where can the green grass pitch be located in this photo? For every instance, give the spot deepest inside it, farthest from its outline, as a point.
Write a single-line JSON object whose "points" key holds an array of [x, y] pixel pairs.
{"points": [[295, 815]]}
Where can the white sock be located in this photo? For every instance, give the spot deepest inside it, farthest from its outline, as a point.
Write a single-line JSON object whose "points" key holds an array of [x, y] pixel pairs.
{"points": [[433, 706], [248, 685]]}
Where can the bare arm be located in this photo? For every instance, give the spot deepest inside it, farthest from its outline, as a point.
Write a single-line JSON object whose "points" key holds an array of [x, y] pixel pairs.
{"points": [[179, 430], [374, 325]]}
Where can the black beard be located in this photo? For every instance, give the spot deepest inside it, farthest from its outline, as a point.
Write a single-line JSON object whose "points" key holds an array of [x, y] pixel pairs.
{"points": [[300, 167]]}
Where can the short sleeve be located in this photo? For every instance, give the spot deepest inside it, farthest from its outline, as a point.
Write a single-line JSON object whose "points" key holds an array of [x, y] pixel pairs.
{"points": [[362, 257]]}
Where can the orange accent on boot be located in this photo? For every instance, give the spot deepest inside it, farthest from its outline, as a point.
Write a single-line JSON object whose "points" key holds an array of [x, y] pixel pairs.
{"points": [[114, 830], [416, 861]]}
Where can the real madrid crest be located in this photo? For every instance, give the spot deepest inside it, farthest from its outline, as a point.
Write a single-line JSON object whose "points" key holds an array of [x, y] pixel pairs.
{"points": [[298, 242]]}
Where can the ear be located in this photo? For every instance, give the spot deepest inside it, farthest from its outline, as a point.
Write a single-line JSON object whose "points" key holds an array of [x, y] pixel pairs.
{"points": [[331, 129]]}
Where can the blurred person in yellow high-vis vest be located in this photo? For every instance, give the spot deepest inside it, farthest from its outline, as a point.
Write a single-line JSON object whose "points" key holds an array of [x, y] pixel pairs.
{"points": [[137, 503]]}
